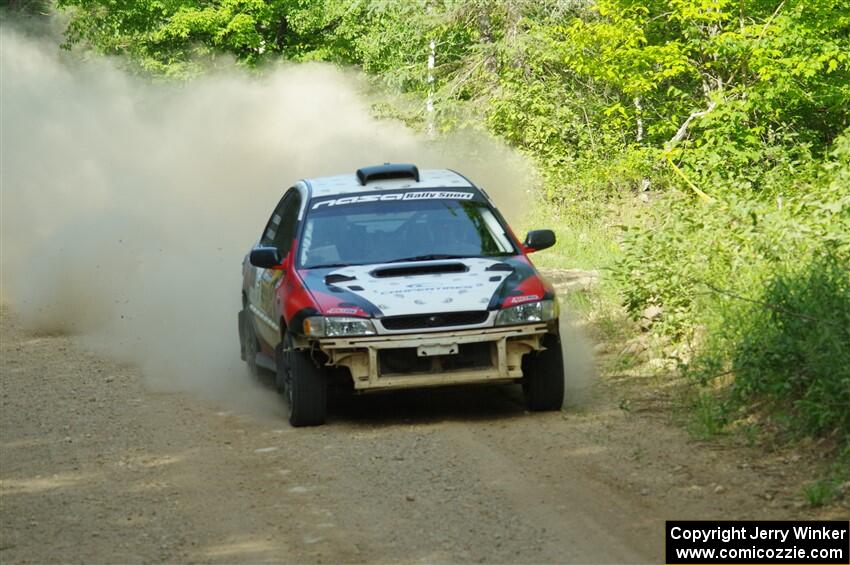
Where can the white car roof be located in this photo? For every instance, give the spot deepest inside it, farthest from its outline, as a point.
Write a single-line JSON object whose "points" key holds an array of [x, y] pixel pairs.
{"points": [[348, 184]]}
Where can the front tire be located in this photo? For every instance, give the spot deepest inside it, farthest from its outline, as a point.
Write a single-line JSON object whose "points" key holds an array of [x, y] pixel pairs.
{"points": [[543, 377], [305, 385]]}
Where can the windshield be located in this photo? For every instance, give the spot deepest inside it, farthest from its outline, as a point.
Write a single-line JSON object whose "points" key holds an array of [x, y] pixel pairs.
{"points": [[394, 231]]}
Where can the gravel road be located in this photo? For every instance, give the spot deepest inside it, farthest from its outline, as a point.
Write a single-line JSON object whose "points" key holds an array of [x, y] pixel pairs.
{"points": [[96, 467]]}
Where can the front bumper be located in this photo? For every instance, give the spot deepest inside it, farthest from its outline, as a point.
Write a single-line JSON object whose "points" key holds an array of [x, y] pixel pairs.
{"points": [[497, 356]]}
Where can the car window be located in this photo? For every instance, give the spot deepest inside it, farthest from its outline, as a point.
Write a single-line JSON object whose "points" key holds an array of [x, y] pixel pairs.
{"points": [[281, 227], [378, 232]]}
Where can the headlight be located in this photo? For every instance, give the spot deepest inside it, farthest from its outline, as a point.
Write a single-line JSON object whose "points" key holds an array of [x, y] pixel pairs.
{"points": [[541, 311], [335, 326]]}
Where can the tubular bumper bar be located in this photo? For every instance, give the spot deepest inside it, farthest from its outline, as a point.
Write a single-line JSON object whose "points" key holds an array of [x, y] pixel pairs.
{"points": [[507, 347]]}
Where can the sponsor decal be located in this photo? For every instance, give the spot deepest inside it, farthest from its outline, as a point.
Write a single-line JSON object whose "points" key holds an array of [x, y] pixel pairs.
{"points": [[346, 311], [423, 195], [403, 291], [522, 299]]}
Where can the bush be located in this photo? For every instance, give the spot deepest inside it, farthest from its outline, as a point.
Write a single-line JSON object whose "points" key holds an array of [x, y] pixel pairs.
{"points": [[760, 286], [793, 346]]}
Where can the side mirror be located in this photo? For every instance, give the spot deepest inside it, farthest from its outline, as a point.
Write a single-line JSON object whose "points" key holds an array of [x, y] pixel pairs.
{"points": [[265, 257], [538, 239]]}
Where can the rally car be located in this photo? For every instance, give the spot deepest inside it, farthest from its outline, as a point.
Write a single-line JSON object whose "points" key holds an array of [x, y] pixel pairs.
{"points": [[395, 277]]}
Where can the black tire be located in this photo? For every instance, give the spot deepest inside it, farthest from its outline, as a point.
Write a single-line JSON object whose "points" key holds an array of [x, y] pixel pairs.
{"points": [[305, 385], [241, 323], [543, 377], [250, 345]]}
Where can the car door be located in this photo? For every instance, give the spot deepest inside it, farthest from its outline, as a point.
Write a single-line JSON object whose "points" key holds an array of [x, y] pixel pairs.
{"points": [[280, 233]]}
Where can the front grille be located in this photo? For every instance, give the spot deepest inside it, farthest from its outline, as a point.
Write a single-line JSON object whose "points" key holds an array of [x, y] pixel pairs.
{"points": [[425, 321], [405, 360]]}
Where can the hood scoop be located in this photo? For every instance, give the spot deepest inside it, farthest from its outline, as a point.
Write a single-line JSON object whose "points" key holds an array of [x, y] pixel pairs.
{"points": [[414, 270], [499, 267], [335, 278]]}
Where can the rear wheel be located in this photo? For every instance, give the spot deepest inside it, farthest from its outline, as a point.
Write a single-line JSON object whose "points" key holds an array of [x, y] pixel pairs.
{"points": [[240, 322], [249, 343], [305, 385], [543, 376]]}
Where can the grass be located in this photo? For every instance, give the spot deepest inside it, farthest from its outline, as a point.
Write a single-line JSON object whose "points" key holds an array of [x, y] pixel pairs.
{"points": [[708, 416], [819, 493], [833, 485], [585, 240]]}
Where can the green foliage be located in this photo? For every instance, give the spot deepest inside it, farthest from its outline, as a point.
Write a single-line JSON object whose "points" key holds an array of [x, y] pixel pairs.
{"points": [[764, 288], [176, 37], [595, 93], [686, 251], [793, 346]]}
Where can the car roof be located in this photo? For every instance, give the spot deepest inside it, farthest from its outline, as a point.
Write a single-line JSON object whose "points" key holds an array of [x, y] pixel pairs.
{"points": [[349, 183]]}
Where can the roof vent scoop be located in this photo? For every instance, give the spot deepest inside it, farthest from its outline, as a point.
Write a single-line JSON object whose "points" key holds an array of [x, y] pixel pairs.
{"points": [[387, 171]]}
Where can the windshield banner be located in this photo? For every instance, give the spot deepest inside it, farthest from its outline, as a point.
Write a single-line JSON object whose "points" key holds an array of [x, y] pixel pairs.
{"points": [[394, 196]]}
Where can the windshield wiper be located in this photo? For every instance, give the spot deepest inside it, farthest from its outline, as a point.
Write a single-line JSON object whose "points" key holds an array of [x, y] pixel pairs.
{"points": [[430, 257]]}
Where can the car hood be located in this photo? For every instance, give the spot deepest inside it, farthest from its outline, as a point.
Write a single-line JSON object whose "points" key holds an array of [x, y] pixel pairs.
{"points": [[423, 287]]}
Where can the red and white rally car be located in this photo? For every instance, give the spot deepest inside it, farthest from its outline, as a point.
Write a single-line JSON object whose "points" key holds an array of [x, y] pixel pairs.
{"points": [[394, 277]]}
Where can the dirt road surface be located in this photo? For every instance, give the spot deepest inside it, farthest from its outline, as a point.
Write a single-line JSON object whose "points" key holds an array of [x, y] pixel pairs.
{"points": [[98, 468]]}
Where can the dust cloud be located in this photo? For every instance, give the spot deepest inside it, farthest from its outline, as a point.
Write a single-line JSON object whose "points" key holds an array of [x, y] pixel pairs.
{"points": [[127, 206], [579, 367]]}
